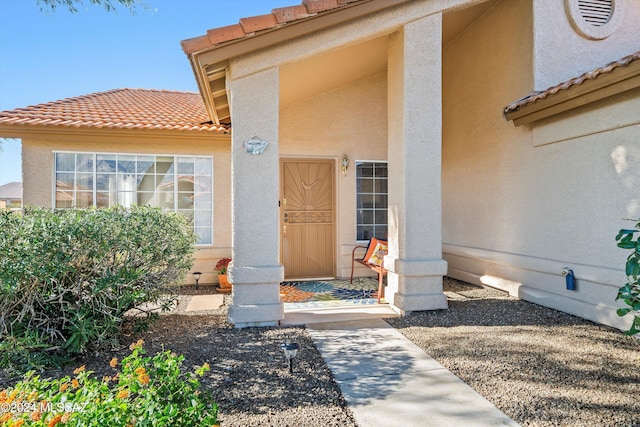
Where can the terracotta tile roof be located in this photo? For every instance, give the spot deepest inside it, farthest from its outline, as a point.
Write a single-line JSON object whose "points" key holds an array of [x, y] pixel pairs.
{"points": [[11, 190], [249, 26], [591, 75], [143, 109]]}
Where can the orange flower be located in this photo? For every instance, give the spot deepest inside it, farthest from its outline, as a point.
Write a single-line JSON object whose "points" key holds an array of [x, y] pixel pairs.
{"points": [[5, 417], [35, 416], [78, 370], [140, 371], [66, 417], [139, 344], [113, 362], [65, 386], [3, 395], [55, 420], [143, 379], [18, 423], [75, 383], [122, 394], [106, 379]]}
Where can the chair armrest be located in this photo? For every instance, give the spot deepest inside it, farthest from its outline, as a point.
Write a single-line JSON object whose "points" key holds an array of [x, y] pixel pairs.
{"points": [[353, 252]]}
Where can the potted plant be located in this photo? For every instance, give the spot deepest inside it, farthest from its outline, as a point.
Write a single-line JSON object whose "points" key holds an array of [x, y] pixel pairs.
{"points": [[221, 269]]}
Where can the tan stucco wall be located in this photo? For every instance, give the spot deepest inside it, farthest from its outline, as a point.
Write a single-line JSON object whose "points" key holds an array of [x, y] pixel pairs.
{"points": [[521, 203], [38, 180], [561, 53], [349, 120]]}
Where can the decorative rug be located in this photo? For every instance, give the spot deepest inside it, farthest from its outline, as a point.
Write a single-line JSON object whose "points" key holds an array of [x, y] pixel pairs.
{"points": [[298, 294]]}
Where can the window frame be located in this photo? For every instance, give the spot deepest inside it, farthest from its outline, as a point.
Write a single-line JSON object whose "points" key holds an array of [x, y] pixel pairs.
{"points": [[176, 188], [374, 193]]}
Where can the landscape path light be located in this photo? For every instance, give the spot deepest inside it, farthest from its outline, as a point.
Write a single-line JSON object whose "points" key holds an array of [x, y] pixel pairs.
{"points": [[290, 350], [196, 275]]}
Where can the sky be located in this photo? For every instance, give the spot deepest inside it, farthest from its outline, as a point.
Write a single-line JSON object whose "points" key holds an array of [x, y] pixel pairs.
{"points": [[46, 56]]}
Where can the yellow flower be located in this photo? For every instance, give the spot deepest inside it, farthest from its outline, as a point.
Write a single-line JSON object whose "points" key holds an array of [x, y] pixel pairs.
{"points": [[78, 370], [18, 423], [75, 383], [55, 420], [32, 396], [65, 386], [113, 362], [122, 394], [140, 371], [5, 417]]}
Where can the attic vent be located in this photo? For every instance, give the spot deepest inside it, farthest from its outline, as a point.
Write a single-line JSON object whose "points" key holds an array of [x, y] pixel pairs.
{"points": [[595, 19], [596, 12]]}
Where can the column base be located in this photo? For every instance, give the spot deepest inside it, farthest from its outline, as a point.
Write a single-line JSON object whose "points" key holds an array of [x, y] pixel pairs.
{"points": [[415, 285], [256, 296], [252, 315]]}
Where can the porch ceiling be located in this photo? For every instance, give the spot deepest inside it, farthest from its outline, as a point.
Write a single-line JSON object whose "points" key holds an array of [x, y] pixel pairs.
{"points": [[332, 69]]}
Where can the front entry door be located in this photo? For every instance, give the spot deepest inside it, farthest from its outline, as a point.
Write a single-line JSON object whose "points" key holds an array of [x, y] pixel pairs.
{"points": [[307, 219]]}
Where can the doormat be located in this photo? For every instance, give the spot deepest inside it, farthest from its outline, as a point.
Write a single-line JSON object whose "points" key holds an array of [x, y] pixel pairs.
{"points": [[298, 294]]}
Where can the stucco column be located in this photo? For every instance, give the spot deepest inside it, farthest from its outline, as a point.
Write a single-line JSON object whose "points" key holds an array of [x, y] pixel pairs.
{"points": [[415, 261], [255, 271]]}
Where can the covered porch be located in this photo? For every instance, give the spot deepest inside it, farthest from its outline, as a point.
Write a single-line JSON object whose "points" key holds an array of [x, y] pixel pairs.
{"points": [[362, 81]]}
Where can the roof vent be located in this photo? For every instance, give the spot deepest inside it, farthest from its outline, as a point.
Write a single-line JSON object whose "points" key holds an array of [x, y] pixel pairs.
{"points": [[594, 19], [596, 12]]}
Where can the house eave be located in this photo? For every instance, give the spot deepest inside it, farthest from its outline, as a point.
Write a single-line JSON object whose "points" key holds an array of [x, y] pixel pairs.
{"points": [[619, 80], [61, 131], [219, 54]]}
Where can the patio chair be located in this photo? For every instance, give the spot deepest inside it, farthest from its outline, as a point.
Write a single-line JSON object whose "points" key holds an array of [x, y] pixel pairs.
{"points": [[373, 259]]}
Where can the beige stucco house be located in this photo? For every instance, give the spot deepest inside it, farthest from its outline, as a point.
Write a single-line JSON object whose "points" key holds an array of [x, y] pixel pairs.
{"points": [[493, 141]]}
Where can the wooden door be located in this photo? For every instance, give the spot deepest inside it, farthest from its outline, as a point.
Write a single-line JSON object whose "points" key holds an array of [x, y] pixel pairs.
{"points": [[307, 219]]}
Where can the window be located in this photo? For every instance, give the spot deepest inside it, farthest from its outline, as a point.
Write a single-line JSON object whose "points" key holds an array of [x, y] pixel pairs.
{"points": [[371, 200], [178, 183]]}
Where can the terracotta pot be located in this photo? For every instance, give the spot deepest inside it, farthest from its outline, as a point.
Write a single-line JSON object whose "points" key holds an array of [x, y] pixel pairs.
{"points": [[225, 286]]}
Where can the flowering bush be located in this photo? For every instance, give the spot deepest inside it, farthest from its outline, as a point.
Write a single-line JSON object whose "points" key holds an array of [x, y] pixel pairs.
{"points": [[145, 392], [222, 265]]}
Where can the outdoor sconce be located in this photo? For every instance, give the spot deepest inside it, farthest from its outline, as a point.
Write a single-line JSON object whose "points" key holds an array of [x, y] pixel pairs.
{"points": [[290, 350], [196, 275], [344, 164]]}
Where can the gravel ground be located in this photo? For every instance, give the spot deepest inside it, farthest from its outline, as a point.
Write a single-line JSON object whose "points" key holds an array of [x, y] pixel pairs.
{"points": [[539, 366]]}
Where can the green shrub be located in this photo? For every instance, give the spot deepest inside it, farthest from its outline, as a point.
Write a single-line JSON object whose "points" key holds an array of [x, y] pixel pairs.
{"points": [[145, 392], [67, 277], [630, 292]]}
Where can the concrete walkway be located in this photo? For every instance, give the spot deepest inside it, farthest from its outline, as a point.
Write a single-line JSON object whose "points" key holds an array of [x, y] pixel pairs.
{"points": [[387, 380]]}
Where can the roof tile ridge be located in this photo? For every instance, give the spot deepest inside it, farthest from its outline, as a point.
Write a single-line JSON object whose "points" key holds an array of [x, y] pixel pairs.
{"points": [[250, 25]]}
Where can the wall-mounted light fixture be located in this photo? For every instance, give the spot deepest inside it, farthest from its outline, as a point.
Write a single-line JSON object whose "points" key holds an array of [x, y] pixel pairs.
{"points": [[344, 164], [196, 275]]}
